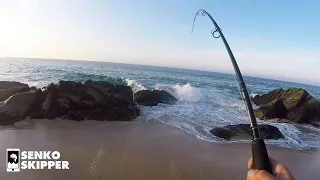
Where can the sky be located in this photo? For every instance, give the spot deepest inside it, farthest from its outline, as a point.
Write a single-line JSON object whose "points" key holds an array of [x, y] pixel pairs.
{"points": [[272, 39]]}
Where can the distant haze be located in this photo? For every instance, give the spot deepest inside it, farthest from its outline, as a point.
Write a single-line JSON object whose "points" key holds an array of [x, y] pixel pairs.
{"points": [[270, 39]]}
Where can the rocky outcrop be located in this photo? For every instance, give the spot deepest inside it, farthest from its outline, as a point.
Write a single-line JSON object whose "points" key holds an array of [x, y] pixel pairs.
{"points": [[274, 109], [8, 89], [153, 98], [93, 100], [16, 107], [294, 104], [243, 132]]}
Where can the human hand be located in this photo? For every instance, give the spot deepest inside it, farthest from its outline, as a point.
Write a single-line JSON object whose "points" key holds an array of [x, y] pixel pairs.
{"points": [[279, 172]]}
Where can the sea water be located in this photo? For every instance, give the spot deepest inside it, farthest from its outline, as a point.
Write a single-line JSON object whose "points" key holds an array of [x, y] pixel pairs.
{"points": [[205, 99]]}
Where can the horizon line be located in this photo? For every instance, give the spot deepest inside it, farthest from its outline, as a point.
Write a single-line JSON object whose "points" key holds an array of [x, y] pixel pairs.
{"points": [[202, 70]]}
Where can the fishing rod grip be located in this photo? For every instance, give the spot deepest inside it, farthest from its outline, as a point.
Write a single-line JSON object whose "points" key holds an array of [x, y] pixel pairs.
{"points": [[260, 156]]}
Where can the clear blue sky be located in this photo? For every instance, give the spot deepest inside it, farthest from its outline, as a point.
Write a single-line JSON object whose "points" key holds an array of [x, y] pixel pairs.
{"points": [[275, 39]]}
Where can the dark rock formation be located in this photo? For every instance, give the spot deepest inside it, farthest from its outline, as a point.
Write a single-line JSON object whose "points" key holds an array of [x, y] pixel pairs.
{"points": [[93, 100], [153, 98], [16, 107], [293, 104], [8, 89], [243, 131], [315, 123], [275, 109]]}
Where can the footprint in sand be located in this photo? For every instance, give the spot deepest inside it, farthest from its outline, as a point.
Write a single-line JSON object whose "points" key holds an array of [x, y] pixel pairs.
{"points": [[174, 173], [91, 174]]}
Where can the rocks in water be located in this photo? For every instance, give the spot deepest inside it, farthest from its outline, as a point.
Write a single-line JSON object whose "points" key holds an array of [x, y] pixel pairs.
{"points": [[8, 89], [275, 109], [35, 110], [292, 97], [153, 98], [96, 100], [294, 104], [243, 131], [93, 100]]}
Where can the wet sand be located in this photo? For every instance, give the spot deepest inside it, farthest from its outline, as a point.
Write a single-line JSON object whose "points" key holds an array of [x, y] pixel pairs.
{"points": [[138, 151]]}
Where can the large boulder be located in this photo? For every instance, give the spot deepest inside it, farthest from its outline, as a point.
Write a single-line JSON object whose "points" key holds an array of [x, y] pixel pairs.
{"points": [[153, 98], [244, 132], [275, 109], [97, 100], [93, 100], [292, 97], [294, 104], [16, 107], [8, 89]]}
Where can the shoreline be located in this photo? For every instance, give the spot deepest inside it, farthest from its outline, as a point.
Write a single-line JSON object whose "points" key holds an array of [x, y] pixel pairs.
{"points": [[140, 150]]}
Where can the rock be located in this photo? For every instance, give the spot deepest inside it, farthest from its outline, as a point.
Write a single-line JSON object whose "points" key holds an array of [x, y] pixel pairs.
{"points": [[153, 98], [123, 113], [281, 121], [300, 106], [36, 111], [50, 105], [316, 123], [11, 84], [125, 91], [222, 133], [16, 107], [297, 114], [102, 87], [8, 89], [120, 100], [272, 110], [94, 96], [94, 100], [73, 115], [291, 97], [243, 131]]}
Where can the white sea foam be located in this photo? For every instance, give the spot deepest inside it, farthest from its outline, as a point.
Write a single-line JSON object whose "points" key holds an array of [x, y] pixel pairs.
{"points": [[185, 92], [135, 85], [240, 106], [253, 95], [200, 110], [209, 100]]}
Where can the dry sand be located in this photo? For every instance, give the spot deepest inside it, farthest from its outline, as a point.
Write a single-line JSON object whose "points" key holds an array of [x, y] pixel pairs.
{"points": [[138, 151]]}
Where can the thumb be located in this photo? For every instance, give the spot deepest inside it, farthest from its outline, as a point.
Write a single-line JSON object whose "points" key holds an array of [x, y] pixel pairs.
{"points": [[259, 175]]}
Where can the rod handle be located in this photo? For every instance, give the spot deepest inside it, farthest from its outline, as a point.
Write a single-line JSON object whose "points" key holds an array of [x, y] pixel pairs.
{"points": [[260, 156]]}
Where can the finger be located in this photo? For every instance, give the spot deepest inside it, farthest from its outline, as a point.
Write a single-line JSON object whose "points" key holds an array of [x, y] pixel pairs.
{"points": [[250, 163], [259, 175], [277, 167], [280, 170]]}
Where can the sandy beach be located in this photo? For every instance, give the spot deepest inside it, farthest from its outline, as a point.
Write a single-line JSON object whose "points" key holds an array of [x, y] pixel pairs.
{"points": [[138, 150]]}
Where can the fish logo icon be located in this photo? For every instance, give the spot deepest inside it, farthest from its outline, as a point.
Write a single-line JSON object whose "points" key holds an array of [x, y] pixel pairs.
{"points": [[13, 160]]}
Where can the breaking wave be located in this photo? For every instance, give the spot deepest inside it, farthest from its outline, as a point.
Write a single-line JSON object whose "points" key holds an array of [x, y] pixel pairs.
{"points": [[205, 99], [135, 85], [185, 92], [199, 110]]}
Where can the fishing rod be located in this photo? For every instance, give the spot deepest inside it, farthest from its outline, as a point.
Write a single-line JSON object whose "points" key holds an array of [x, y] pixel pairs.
{"points": [[259, 151]]}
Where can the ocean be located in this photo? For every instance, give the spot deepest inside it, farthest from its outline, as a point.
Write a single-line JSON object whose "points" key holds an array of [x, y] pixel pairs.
{"points": [[205, 99]]}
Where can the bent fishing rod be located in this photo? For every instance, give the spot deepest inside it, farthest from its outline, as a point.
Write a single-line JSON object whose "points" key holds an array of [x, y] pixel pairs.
{"points": [[259, 151]]}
